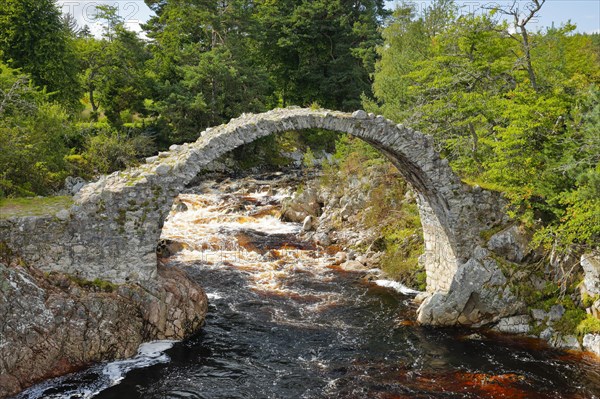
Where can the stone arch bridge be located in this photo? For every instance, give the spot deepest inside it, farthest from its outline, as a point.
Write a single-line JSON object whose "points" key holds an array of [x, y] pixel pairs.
{"points": [[112, 230]]}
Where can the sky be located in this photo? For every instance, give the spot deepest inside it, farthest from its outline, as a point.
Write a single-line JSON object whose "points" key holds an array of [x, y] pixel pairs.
{"points": [[584, 13]]}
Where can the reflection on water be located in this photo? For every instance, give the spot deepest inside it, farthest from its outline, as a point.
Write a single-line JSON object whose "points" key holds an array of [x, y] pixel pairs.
{"points": [[284, 323]]}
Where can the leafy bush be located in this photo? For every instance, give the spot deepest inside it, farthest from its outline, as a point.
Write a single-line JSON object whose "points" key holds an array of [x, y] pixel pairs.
{"points": [[530, 131], [32, 137], [111, 151]]}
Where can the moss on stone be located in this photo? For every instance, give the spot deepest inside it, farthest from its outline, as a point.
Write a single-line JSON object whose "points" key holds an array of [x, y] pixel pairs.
{"points": [[121, 219], [101, 206], [6, 254], [536, 329], [484, 185], [39, 206], [95, 285], [588, 300], [487, 234], [569, 323]]}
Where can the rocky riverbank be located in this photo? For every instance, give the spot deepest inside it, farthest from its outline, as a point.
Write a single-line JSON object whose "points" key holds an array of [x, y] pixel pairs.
{"points": [[52, 324], [555, 298]]}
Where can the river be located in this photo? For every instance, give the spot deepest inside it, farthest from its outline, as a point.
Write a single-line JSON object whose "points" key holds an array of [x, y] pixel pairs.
{"points": [[284, 322]]}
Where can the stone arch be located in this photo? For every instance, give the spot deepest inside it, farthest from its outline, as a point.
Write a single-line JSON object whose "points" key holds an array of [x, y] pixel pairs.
{"points": [[117, 220]]}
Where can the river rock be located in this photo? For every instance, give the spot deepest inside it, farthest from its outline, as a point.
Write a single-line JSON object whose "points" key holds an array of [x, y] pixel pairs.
{"points": [[374, 260], [556, 313], [591, 342], [478, 295], [303, 204], [565, 342], [362, 259], [561, 264], [421, 297], [514, 325], [323, 239], [308, 223], [539, 315], [352, 266], [340, 258], [591, 268], [179, 206], [547, 334], [594, 310]]}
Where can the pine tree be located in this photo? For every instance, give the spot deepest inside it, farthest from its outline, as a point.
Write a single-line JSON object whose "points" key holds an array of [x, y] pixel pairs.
{"points": [[34, 38]]}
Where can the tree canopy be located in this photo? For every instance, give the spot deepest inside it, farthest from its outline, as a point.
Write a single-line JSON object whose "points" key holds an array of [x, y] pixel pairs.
{"points": [[34, 38], [512, 108], [511, 114]]}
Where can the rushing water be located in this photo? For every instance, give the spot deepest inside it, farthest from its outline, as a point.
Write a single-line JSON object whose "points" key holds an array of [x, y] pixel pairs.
{"points": [[284, 322]]}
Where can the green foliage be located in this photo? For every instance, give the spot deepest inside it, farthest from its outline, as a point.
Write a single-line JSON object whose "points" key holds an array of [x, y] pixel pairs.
{"points": [[113, 69], [588, 300], [40, 146], [520, 118], [536, 298], [205, 64], [262, 153], [319, 50], [570, 321], [32, 137], [34, 38], [110, 151], [589, 325], [309, 160]]}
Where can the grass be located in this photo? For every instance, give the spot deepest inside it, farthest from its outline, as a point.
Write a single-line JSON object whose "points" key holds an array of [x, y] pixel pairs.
{"points": [[39, 206], [589, 325]]}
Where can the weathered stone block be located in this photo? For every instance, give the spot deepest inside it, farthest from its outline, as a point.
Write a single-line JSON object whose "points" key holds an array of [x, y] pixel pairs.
{"points": [[514, 325]]}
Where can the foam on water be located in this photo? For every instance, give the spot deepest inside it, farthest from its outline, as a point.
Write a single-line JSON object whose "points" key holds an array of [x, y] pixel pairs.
{"points": [[213, 296], [397, 286], [149, 354], [104, 376]]}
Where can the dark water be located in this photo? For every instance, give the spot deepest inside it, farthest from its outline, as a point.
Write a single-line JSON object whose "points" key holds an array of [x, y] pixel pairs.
{"points": [[259, 346], [300, 328]]}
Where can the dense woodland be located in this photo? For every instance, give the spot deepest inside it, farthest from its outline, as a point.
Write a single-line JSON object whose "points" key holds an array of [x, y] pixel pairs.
{"points": [[514, 109]]}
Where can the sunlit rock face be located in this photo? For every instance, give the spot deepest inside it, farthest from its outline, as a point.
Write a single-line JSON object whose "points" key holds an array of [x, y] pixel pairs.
{"points": [[53, 324], [112, 230]]}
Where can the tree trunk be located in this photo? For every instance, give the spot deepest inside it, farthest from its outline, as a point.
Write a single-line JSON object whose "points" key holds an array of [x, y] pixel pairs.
{"points": [[526, 50]]}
